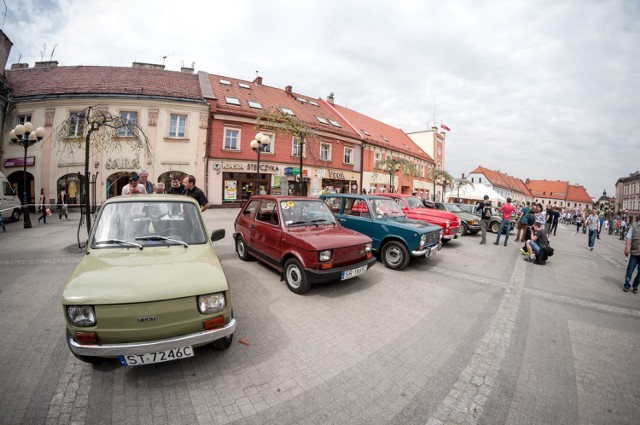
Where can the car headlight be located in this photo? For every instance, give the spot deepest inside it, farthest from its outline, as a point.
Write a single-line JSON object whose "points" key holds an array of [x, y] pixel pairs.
{"points": [[448, 223], [81, 315], [423, 238], [368, 247], [211, 303], [324, 255]]}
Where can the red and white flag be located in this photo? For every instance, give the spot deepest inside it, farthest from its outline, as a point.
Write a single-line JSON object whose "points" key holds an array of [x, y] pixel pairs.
{"points": [[444, 127]]}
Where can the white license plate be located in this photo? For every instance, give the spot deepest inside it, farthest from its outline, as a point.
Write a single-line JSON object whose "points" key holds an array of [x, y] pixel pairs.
{"points": [[348, 274], [432, 251], [158, 357]]}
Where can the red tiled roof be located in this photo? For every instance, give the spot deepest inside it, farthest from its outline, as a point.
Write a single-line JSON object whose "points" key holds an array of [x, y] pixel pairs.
{"points": [[382, 134], [268, 96], [102, 80], [496, 178], [578, 193], [548, 189]]}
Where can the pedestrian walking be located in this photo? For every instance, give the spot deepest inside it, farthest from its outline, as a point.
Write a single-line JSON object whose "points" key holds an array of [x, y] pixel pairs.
{"points": [[62, 204], [505, 211], [554, 221], [593, 225], [578, 222], [42, 207], [632, 252], [484, 208]]}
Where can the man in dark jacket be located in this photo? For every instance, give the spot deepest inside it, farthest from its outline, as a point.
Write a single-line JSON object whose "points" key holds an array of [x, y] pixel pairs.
{"points": [[176, 187], [537, 244], [484, 208]]}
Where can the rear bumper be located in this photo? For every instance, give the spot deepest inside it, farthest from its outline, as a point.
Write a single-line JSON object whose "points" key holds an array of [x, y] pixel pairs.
{"points": [[330, 275], [115, 350]]}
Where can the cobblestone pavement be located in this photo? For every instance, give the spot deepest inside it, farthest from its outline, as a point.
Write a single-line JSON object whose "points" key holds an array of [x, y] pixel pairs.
{"points": [[474, 335]]}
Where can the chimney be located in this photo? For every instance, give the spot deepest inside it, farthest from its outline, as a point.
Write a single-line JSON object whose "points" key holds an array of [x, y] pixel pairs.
{"points": [[434, 129], [140, 65], [462, 176], [19, 65], [258, 81], [330, 99], [48, 64], [288, 89], [186, 70]]}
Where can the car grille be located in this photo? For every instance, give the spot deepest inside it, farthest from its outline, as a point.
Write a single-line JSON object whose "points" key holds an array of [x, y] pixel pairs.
{"points": [[348, 255], [433, 238]]}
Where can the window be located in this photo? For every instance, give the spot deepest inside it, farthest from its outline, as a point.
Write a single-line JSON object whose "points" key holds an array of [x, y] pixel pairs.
{"points": [[325, 152], [334, 123], [177, 126], [231, 139], [268, 213], [22, 119], [313, 103], [301, 100], [128, 121], [322, 120], [479, 179], [76, 122], [287, 111], [225, 82], [348, 156], [254, 105], [376, 157], [268, 148], [472, 180], [366, 133], [295, 150], [232, 100], [244, 86]]}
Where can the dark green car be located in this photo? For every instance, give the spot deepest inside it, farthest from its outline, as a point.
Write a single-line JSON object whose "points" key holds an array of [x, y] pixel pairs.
{"points": [[469, 223], [396, 238]]}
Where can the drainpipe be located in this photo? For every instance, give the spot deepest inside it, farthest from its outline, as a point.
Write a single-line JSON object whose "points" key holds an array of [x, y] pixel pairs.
{"points": [[362, 146]]}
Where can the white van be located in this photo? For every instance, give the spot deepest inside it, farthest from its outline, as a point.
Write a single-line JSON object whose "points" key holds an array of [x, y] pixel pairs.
{"points": [[9, 201]]}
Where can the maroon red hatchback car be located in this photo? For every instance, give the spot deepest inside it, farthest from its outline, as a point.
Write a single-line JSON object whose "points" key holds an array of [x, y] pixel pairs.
{"points": [[301, 238]]}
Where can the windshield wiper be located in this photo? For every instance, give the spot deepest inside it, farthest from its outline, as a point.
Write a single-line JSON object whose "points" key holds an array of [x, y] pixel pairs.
{"points": [[318, 220], [161, 238], [298, 222], [119, 242]]}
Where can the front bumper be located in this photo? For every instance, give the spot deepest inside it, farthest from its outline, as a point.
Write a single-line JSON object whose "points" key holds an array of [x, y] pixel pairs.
{"points": [[114, 350], [330, 275], [427, 252], [454, 232]]}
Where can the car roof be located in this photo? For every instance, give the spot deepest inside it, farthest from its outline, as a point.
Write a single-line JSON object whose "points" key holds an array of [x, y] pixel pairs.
{"points": [[355, 195], [282, 198], [150, 198]]}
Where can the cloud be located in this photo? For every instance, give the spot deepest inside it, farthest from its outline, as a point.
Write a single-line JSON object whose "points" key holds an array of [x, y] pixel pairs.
{"points": [[538, 89]]}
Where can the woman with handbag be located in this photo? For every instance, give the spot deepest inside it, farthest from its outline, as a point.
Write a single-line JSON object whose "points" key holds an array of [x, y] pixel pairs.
{"points": [[62, 204], [42, 207]]}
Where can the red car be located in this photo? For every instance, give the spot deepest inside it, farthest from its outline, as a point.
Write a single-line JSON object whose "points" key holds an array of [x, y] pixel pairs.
{"points": [[413, 207], [300, 238]]}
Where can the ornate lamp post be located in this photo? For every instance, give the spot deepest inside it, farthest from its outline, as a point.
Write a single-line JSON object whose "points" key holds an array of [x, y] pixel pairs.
{"points": [[24, 135], [257, 144]]}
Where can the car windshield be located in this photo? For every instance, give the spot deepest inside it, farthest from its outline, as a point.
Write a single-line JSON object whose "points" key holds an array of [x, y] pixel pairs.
{"points": [[385, 208], [148, 223], [452, 208], [414, 202], [306, 212], [466, 208]]}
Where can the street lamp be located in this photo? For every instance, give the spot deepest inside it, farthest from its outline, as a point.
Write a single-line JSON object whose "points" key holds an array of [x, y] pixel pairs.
{"points": [[24, 135], [257, 144]]}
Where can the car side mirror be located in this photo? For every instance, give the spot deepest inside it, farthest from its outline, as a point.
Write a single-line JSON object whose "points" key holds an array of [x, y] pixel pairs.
{"points": [[217, 235]]}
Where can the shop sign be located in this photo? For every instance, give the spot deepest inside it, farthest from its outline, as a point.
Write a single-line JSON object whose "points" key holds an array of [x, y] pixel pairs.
{"points": [[19, 162], [338, 175], [230, 190], [250, 167], [122, 164]]}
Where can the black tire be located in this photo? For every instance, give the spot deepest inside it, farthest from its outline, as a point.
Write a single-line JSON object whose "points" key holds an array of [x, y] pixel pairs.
{"points": [[241, 249], [463, 228], [395, 255], [474, 232], [15, 215], [223, 343], [495, 227], [295, 277], [445, 241], [86, 359]]}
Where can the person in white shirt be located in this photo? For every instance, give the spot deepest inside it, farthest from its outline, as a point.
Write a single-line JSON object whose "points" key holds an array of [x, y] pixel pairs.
{"points": [[133, 188]]}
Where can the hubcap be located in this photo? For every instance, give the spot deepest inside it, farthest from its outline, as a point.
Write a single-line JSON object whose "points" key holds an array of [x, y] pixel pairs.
{"points": [[241, 248], [293, 276], [394, 256]]}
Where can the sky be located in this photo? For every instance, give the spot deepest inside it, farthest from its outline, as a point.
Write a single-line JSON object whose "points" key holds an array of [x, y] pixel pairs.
{"points": [[538, 89]]}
